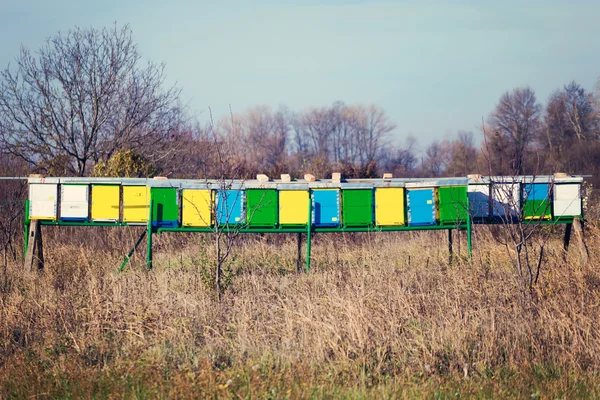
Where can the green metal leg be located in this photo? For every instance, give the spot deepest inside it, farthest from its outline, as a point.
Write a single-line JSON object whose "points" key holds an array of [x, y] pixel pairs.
{"points": [[128, 256], [26, 224], [149, 233]]}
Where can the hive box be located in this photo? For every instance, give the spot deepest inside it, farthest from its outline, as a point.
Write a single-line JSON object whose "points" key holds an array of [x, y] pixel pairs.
{"points": [[357, 207], [293, 207], [453, 204], [196, 208], [421, 207], [567, 200], [105, 202], [230, 206], [74, 204], [389, 206], [326, 207], [165, 207], [479, 200], [536, 204], [136, 202], [506, 199], [42, 201], [261, 207]]}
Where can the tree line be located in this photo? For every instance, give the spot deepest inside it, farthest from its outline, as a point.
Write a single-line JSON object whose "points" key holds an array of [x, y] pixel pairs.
{"points": [[86, 104]]}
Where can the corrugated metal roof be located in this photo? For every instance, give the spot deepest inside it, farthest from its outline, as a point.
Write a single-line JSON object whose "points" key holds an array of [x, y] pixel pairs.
{"points": [[302, 184]]}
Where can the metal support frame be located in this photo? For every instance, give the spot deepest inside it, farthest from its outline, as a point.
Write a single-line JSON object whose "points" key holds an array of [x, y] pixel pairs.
{"points": [[149, 230], [309, 229], [299, 259], [130, 254], [26, 223]]}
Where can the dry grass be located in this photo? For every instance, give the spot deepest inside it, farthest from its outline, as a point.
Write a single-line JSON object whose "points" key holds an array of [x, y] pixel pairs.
{"points": [[380, 315]]}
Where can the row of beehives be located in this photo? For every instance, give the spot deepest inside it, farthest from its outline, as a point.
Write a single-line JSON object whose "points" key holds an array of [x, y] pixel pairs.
{"points": [[508, 199], [382, 204]]}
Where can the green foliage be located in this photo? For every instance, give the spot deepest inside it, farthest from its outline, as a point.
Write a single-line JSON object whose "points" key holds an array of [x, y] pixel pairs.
{"points": [[126, 164]]}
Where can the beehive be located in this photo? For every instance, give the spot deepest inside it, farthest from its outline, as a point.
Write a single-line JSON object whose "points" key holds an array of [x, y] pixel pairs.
{"points": [[389, 206], [136, 201], [536, 204], [357, 207], [293, 207], [479, 200], [105, 202], [165, 207], [506, 199], [74, 205], [421, 207], [453, 204], [261, 205], [42, 201], [326, 207], [196, 208], [230, 206], [567, 200]]}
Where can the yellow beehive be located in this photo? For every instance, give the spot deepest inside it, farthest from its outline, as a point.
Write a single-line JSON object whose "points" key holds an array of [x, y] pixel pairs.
{"points": [[136, 201], [197, 207], [389, 206], [105, 202], [293, 207]]}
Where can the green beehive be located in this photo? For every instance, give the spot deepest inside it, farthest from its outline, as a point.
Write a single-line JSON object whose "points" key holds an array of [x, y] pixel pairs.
{"points": [[535, 201], [453, 204], [165, 207], [261, 205], [357, 207], [537, 209]]}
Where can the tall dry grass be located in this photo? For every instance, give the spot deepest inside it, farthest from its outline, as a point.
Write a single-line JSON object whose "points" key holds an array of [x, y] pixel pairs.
{"points": [[379, 315]]}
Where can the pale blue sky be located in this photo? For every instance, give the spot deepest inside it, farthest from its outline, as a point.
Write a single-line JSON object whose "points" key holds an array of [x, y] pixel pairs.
{"points": [[435, 67]]}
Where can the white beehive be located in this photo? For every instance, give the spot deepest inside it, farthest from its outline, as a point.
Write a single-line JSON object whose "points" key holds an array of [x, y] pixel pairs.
{"points": [[567, 199], [74, 204], [506, 199], [42, 200], [479, 200]]}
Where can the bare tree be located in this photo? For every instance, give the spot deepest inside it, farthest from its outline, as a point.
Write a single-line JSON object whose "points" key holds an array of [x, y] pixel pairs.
{"points": [[83, 96], [434, 162], [12, 195], [515, 122], [351, 137], [570, 135], [402, 160], [462, 157]]}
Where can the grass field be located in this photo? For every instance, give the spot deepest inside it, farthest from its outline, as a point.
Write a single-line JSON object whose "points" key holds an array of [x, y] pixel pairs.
{"points": [[380, 315]]}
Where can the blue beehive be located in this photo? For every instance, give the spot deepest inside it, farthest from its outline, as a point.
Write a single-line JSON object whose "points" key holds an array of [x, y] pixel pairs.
{"points": [[230, 206], [326, 207], [421, 207], [536, 191]]}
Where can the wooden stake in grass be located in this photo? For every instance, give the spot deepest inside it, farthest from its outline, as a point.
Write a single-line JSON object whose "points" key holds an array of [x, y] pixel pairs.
{"points": [[35, 250]]}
